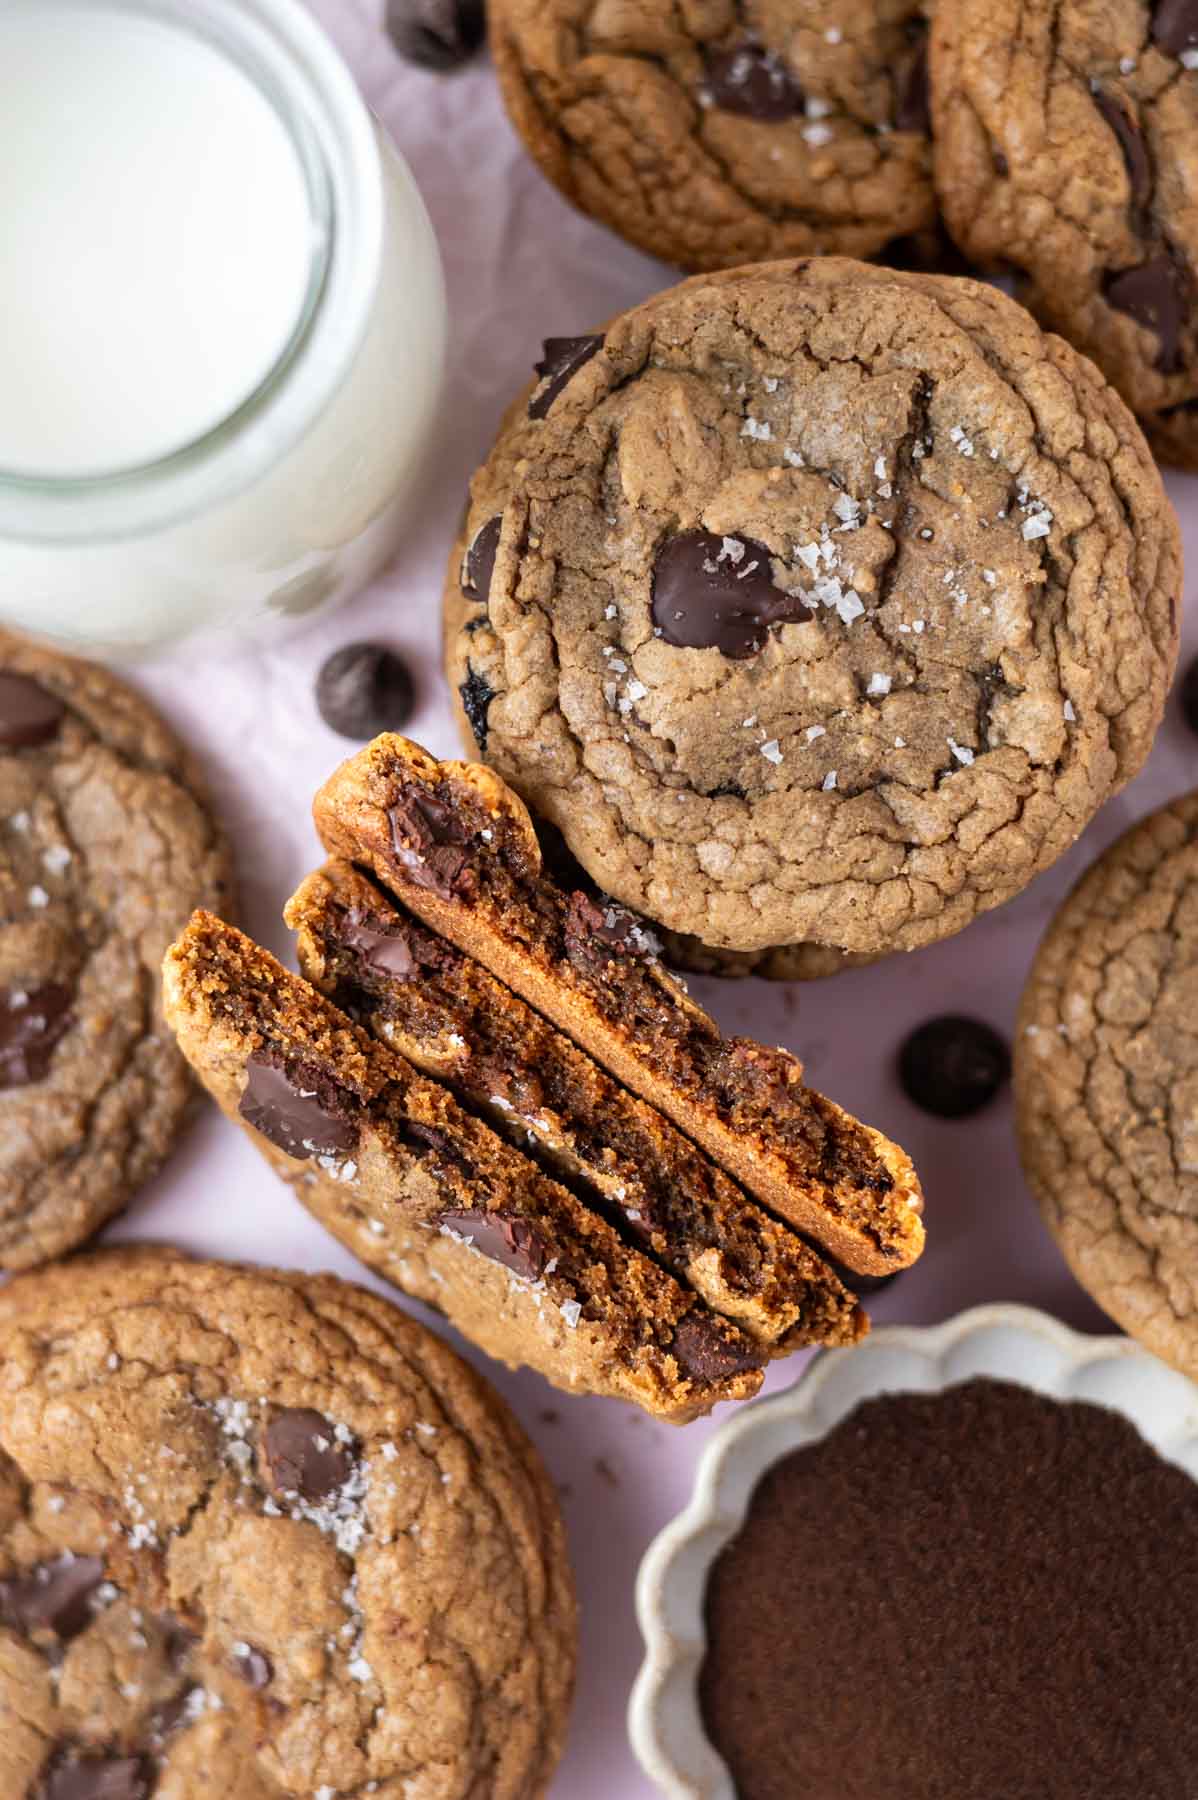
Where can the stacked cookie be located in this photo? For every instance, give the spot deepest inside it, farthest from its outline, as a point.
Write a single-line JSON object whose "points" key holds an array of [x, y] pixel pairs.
{"points": [[489, 1088]]}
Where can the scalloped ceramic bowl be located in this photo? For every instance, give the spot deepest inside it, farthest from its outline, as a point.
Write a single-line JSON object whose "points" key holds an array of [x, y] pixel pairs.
{"points": [[1010, 1343]]}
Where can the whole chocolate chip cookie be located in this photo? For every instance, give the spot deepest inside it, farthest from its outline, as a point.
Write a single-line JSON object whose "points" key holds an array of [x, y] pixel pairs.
{"points": [[1066, 147], [721, 133], [823, 604], [263, 1536], [1106, 1081], [106, 844]]}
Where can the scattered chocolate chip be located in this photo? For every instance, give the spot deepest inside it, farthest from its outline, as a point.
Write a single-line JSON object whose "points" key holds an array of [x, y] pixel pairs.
{"points": [[953, 1066], [505, 1237], [717, 593], [478, 565], [477, 694], [298, 1114], [704, 1352], [32, 1020], [427, 835], [436, 34], [1152, 296], [1187, 695], [304, 1455], [561, 362], [913, 110], [752, 82], [29, 713], [1175, 25], [364, 689], [53, 1596], [99, 1778], [1131, 142], [253, 1665], [388, 951]]}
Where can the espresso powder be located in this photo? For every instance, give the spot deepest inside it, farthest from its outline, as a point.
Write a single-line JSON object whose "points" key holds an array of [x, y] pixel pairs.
{"points": [[973, 1595]]}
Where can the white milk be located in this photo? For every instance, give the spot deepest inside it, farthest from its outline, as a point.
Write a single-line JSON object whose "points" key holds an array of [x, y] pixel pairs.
{"points": [[222, 321]]}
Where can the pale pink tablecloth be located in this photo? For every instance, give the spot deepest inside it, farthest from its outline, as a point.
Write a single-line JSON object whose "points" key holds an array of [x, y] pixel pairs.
{"points": [[520, 266]]}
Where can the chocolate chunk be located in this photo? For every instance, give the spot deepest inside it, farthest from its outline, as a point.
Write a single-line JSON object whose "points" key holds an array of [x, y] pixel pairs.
{"points": [[436, 34], [1131, 143], [753, 82], [253, 1665], [953, 1066], [29, 713], [99, 1778], [479, 564], [704, 1353], [477, 694], [304, 1456], [53, 1596], [561, 362], [427, 1137], [365, 689], [717, 593], [31, 1022], [1187, 696], [300, 1115], [1152, 295], [610, 924], [913, 110], [1175, 25], [505, 1237], [388, 951], [427, 834]]}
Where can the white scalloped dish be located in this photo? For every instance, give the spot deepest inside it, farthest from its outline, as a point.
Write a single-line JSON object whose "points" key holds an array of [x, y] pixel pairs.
{"points": [[1009, 1343]]}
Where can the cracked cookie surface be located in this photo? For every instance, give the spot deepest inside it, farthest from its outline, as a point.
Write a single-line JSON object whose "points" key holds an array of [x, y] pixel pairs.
{"points": [[261, 1535], [1106, 1081], [1066, 148], [816, 603], [106, 845], [713, 132]]}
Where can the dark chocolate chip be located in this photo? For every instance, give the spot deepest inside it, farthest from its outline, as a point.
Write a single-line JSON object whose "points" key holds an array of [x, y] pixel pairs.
{"points": [[717, 593], [427, 836], [478, 565], [1152, 295], [304, 1456], [31, 1022], [436, 34], [53, 1596], [297, 1115], [705, 1353], [1187, 696], [1131, 143], [29, 713], [753, 82], [913, 104], [561, 362], [953, 1066], [99, 1778], [505, 1237], [365, 689], [253, 1665], [1175, 25], [477, 694], [388, 951]]}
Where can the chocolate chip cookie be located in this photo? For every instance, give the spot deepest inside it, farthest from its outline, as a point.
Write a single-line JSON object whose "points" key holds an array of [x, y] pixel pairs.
{"points": [[1106, 1081], [1066, 147], [106, 845], [261, 1535], [816, 603], [724, 133]]}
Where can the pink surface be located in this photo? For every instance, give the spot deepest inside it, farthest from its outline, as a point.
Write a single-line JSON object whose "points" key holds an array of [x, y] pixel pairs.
{"points": [[521, 266]]}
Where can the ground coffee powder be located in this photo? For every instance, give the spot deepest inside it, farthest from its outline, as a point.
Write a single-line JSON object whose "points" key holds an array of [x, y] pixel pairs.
{"points": [[972, 1595]]}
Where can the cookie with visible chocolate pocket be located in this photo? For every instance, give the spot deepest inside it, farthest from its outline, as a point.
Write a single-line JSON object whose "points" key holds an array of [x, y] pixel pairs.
{"points": [[1066, 148], [107, 843]]}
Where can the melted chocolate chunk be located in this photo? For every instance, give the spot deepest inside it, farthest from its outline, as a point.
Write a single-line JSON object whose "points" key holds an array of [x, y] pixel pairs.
{"points": [[705, 1354], [1131, 143], [586, 920], [561, 362], [477, 694], [913, 110], [1175, 25], [427, 834], [253, 1665], [752, 82], [717, 593], [298, 1114], [304, 1456], [502, 1236], [29, 713], [32, 1020], [53, 1596], [953, 1066], [389, 951], [363, 690], [99, 1778], [436, 34], [479, 563], [1153, 296]]}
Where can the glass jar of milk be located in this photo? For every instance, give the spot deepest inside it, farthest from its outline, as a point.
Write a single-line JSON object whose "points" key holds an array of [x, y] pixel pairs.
{"points": [[222, 321]]}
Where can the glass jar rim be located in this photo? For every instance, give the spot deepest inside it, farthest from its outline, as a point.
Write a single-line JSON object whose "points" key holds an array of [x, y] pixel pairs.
{"points": [[296, 67]]}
